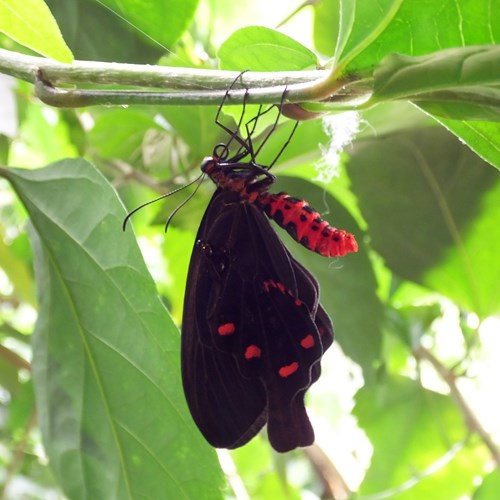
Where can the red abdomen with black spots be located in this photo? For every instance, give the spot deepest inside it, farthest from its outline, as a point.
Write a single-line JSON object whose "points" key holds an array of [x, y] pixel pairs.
{"points": [[305, 225]]}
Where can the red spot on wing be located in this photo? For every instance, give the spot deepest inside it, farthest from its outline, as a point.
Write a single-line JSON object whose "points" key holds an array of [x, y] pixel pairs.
{"points": [[226, 329], [253, 351], [287, 370], [307, 342]]}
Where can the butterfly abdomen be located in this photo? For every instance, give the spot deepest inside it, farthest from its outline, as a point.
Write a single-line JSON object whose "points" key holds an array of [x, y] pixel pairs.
{"points": [[305, 225]]}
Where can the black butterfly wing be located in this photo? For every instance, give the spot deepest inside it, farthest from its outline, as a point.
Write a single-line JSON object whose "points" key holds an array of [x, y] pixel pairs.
{"points": [[253, 330], [288, 423], [212, 382]]}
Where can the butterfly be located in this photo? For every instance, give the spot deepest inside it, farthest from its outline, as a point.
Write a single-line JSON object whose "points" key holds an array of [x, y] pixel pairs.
{"points": [[253, 328]]}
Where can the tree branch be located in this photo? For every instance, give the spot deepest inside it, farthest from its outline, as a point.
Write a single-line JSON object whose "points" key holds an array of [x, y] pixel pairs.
{"points": [[183, 85], [25, 68]]}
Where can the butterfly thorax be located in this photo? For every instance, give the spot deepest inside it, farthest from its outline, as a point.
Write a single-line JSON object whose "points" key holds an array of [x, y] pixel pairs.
{"points": [[249, 180]]}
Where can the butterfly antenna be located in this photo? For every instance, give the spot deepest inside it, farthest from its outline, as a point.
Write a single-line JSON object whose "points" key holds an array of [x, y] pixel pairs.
{"points": [[171, 216], [166, 195]]}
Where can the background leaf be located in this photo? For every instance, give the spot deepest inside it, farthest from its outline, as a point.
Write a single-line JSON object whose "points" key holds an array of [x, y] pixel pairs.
{"points": [[104, 343], [326, 25], [489, 488], [162, 22], [31, 24], [369, 31], [480, 136], [431, 212], [412, 429], [262, 49], [95, 32]]}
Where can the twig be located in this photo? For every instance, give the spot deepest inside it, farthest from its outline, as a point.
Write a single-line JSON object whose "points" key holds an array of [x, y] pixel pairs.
{"points": [[14, 359], [304, 4], [334, 486], [472, 421]]}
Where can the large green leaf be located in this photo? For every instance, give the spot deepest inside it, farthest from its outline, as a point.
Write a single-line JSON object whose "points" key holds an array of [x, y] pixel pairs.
{"points": [[263, 49], [326, 25], [432, 210], [162, 21], [106, 354], [95, 32], [31, 24], [489, 487], [371, 30], [417, 437], [361, 23]]}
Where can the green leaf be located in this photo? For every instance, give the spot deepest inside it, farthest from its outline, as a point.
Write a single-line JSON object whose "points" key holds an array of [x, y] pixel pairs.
{"points": [[9, 367], [302, 150], [348, 286], [45, 135], [481, 137], [362, 22], [432, 210], [262, 49], [195, 124], [22, 409], [371, 30], [96, 33], [411, 322], [161, 21], [489, 487], [326, 25], [417, 438], [459, 83], [106, 354], [119, 133], [16, 270], [31, 24], [391, 117], [263, 472]]}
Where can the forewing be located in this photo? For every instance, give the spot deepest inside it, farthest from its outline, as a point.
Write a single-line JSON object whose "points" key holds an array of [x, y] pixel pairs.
{"points": [[227, 408]]}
